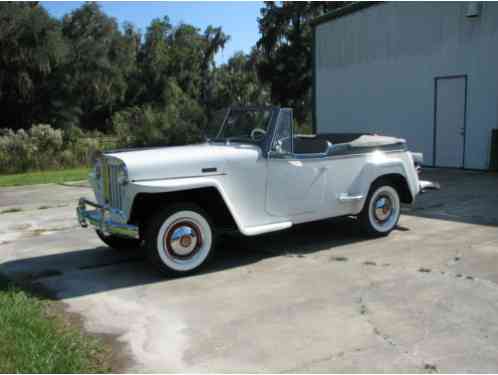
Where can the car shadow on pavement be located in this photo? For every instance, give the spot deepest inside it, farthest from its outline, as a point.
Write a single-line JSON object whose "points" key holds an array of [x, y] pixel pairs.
{"points": [[100, 269]]}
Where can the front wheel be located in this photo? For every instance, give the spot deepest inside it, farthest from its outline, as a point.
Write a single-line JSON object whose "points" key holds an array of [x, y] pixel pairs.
{"points": [[180, 239], [382, 209]]}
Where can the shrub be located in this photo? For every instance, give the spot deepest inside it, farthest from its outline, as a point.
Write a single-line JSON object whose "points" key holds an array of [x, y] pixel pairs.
{"points": [[43, 147]]}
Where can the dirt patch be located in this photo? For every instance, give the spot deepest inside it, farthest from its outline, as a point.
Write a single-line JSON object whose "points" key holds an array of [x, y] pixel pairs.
{"points": [[43, 231], [116, 355]]}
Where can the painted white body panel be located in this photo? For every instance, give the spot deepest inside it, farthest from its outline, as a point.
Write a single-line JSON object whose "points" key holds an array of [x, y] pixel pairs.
{"points": [[263, 194]]}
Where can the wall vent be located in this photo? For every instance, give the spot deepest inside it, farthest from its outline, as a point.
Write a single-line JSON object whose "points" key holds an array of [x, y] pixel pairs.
{"points": [[473, 9]]}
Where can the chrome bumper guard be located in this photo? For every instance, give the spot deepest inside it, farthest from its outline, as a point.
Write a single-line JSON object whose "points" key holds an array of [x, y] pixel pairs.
{"points": [[428, 185], [99, 218]]}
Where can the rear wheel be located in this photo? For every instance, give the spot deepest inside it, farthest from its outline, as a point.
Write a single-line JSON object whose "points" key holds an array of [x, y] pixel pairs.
{"points": [[180, 239], [382, 209], [118, 243]]}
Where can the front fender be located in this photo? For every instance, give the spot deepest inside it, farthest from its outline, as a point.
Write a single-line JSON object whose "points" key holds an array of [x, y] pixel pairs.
{"points": [[182, 184]]}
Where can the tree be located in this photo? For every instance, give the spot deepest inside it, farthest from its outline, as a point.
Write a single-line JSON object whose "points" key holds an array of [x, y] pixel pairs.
{"points": [[86, 72], [94, 79], [237, 82], [31, 48], [214, 40], [285, 47]]}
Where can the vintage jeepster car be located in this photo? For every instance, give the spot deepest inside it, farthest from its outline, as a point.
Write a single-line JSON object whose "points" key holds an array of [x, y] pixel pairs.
{"points": [[256, 176]]}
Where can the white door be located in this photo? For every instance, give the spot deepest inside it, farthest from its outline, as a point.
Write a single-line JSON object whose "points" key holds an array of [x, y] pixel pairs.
{"points": [[450, 121], [296, 184]]}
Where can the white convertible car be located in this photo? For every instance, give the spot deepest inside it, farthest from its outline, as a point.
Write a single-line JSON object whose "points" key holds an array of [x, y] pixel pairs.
{"points": [[256, 176]]}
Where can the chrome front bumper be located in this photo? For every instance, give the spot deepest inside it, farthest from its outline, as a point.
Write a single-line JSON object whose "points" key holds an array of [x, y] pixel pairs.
{"points": [[100, 219]]}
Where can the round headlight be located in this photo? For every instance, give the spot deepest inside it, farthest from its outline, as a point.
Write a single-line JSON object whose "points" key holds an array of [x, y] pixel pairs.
{"points": [[122, 175]]}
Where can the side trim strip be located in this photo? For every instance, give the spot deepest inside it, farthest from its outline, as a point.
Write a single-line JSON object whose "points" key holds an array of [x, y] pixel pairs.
{"points": [[177, 178], [349, 198]]}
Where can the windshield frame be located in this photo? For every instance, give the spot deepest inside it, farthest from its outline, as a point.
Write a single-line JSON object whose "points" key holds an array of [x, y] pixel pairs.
{"points": [[264, 144]]}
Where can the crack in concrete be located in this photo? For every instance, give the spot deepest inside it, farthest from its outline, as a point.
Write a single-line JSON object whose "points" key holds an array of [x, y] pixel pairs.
{"points": [[365, 312], [325, 358]]}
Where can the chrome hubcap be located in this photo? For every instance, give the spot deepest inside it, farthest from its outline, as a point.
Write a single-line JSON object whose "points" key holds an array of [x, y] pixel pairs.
{"points": [[183, 239], [383, 208]]}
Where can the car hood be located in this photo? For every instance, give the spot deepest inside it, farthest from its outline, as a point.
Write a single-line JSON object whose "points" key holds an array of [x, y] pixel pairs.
{"points": [[177, 161]]}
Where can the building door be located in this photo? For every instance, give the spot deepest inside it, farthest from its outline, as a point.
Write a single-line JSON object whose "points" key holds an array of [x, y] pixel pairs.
{"points": [[449, 121]]}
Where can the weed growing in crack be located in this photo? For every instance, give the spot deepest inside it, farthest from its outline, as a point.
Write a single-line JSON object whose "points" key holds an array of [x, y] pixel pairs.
{"points": [[430, 367]]}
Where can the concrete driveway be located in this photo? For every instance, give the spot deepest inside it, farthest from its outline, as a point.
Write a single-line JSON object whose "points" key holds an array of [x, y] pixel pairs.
{"points": [[318, 297]]}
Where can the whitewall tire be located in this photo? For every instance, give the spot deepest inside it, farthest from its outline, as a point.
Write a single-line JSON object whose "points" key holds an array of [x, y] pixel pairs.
{"points": [[180, 239], [382, 209]]}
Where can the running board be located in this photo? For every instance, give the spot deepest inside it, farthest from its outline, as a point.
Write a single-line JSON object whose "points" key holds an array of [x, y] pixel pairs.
{"points": [[260, 229]]}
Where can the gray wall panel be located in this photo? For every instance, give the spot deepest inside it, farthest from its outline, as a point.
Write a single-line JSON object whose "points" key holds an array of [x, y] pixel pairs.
{"points": [[376, 68]]}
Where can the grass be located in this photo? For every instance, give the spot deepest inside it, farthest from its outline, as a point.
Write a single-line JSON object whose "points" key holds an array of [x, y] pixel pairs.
{"points": [[44, 177], [34, 338]]}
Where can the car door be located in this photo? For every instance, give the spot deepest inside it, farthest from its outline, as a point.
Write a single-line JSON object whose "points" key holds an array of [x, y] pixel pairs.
{"points": [[295, 183]]}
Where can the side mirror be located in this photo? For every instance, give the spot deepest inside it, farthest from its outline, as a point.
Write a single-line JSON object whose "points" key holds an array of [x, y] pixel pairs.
{"points": [[279, 147]]}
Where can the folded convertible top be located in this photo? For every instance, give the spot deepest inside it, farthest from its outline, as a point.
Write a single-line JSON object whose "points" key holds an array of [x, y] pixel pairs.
{"points": [[375, 141]]}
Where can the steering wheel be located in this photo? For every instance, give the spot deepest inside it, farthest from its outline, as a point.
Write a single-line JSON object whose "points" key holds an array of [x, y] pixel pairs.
{"points": [[255, 131]]}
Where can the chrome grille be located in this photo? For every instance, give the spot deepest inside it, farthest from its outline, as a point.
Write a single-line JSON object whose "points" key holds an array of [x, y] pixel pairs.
{"points": [[113, 194]]}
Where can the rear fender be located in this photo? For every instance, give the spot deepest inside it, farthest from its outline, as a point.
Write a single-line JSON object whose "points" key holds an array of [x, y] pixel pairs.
{"points": [[377, 167]]}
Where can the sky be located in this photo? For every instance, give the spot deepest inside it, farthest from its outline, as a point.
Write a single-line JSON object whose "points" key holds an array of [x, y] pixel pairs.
{"points": [[238, 19]]}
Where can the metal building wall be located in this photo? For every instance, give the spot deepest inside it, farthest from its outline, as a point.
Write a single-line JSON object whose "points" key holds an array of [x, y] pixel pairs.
{"points": [[375, 71]]}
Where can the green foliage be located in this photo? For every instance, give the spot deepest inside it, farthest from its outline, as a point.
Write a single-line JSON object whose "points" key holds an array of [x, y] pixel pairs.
{"points": [[43, 147], [43, 177], [85, 72], [94, 78], [34, 340], [237, 83], [180, 121], [31, 49], [285, 48]]}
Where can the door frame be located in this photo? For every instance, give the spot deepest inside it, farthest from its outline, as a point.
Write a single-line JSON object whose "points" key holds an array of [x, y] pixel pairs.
{"points": [[434, 150]]}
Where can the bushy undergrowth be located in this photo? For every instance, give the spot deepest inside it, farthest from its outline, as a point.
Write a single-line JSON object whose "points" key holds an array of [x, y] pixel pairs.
{"points": [[177, 121], [43, 147]]}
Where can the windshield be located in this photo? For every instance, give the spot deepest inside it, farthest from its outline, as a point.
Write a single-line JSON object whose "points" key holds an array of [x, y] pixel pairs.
{"points": [[245, 125]]}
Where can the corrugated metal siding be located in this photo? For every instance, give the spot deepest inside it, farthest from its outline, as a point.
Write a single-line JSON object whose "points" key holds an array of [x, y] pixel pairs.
{"points": [[376, 67]]}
